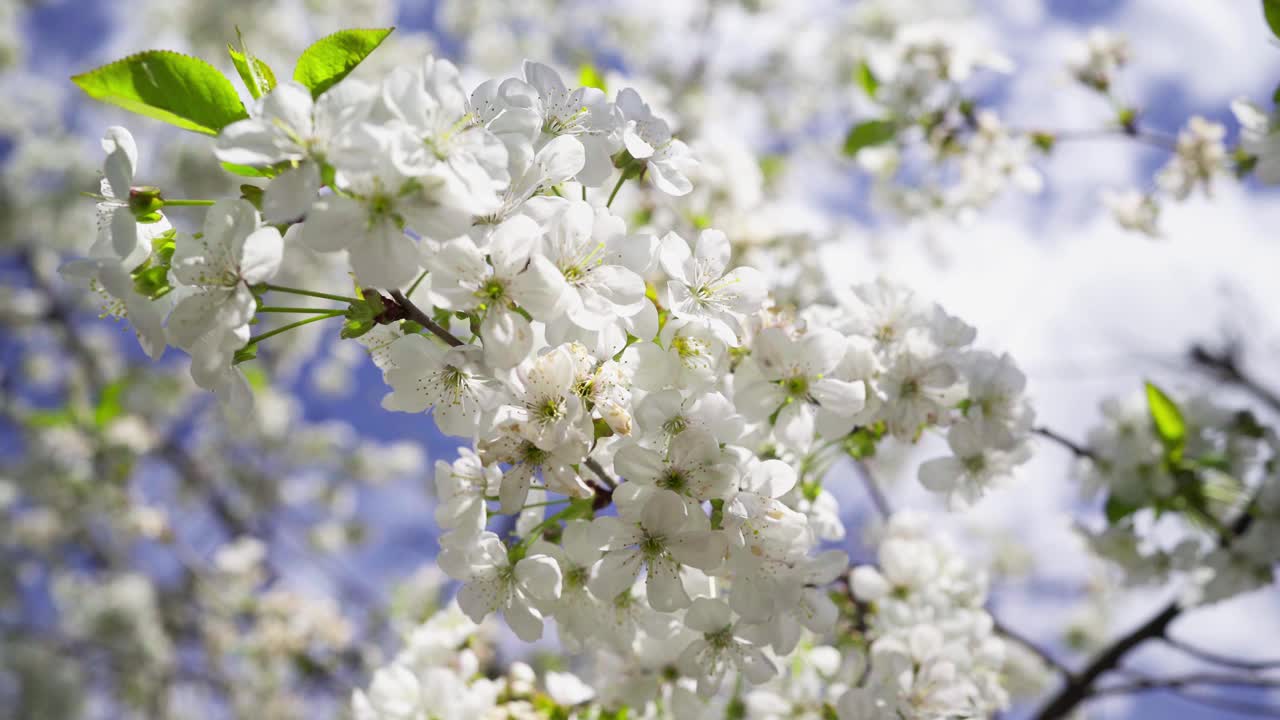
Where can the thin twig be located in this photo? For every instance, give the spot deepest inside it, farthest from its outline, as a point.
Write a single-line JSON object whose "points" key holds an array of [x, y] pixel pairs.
{"points": [[1076, 449], [878, 498], [595, 467], [1217, 659], [1226, 367], [1080, 687], [1030, 645], [1149, 684]]}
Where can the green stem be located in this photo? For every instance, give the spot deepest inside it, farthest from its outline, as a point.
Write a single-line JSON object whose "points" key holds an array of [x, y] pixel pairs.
{"points": [[312, 293], [416, 283], [616, 188], [303, 311], [189, 203], [290, 326], [545, 503]]}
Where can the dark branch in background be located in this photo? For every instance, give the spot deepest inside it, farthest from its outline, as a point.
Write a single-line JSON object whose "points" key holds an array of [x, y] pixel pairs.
{"points": [[1076, 449], [1225, 366], [1148, 684], [1216, 659], [1030, 645], [1080, 687], [878, 499], [192, 475]]}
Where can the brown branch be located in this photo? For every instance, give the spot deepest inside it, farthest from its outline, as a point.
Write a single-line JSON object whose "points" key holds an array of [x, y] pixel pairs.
{"points": [[1217, 659], [1076, 449], [877, 495], [1226, 367], [1080, 687], [414, 313], [1031, 646], [1149, 684]]}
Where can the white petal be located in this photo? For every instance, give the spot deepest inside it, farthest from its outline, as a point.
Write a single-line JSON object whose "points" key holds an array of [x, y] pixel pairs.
{"points": [[539, 576], [121, 162], [290, 195], [708, 615]]}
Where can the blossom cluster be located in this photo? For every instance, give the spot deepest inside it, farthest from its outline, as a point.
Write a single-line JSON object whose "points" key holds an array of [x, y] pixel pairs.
{"points": [[1202, 510], [934, 651], [928, 650], [645, 383]]}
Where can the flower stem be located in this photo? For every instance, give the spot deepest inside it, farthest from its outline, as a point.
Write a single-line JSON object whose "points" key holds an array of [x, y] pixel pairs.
{"points": [[290, 326], [416, 283], [312, 293], [616, 188], [299, 310], [189, 203]]}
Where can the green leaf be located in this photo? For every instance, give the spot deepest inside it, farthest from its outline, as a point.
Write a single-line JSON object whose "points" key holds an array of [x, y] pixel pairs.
{"points": [[589, 76], [333, 57], [866, 79], [257, 76], [1117, 509], [253, 194], [167, 86], [1168, 421], [867, 134], [1271, 11], [246, 171], [109, 407]]}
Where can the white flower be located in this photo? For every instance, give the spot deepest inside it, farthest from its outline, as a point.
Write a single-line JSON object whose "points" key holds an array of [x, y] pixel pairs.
{"points": [[118, 229], [288, 126], [234, 253], [448, 381], [556, 465], [371, 214], [583, 113], [694, 467], [795, 382], [666, 414], [978, 462], [1199, 157], [1134, 210], [510, 276], [711, 656], [578, 613], [1098, 58], [1259, 137], [436, 133], [120, 298], [461, 489], [919, 389], [664, 538], [647, 138], [700, 289], [687, 355], [547, 411], [586, 245], [522, 591]]}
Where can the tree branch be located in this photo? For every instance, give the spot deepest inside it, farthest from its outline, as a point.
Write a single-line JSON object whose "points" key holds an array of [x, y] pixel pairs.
{"points": [[1149, 684], [1076, 449], [414, 313], [1216, 659], [1080, 687], [1226, 367], [878, 498], [1030, 645]]}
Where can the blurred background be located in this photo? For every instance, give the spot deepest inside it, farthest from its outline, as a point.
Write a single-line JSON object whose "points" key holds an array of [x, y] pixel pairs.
{"points": [[151, 547]]}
